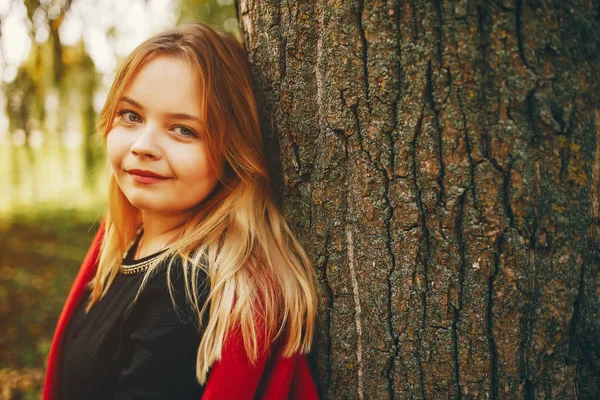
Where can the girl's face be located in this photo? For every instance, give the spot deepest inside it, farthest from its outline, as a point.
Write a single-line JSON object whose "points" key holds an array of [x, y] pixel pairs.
{"points": [[156, 145]]}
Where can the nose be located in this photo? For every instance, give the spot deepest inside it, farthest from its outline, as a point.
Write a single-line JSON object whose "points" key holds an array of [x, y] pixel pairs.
{"points": [[146, 143]]}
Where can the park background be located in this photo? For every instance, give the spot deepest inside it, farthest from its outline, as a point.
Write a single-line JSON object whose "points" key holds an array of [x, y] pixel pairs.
{"points": [[57, 61]]}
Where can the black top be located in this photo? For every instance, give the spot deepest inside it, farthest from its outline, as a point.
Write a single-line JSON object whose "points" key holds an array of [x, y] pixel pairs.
{"points": [[141, 350]]}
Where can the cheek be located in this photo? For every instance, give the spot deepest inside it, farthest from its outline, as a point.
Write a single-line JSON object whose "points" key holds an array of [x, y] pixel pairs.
{"points": [[194, 171], [197, 174], [192, 163], [115, 148]]}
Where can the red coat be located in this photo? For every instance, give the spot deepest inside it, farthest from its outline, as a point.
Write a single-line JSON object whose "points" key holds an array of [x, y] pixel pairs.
{"points": [[271, 378]]}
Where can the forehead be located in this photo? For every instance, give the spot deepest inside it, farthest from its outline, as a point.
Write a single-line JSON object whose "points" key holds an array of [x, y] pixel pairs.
{"points": [[166, 83]]}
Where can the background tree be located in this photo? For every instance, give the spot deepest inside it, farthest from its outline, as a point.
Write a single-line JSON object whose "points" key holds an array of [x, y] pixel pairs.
{"points": [[441, 161]]}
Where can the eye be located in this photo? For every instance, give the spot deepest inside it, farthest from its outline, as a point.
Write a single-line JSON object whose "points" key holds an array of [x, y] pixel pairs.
{"points": [[184, 131], [130, 116]]}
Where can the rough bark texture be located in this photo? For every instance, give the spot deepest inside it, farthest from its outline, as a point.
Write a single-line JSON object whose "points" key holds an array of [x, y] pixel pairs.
{"points": [[441, 163]]}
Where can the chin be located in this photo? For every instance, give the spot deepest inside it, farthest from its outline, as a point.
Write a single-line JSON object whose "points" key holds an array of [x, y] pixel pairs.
{"points": [[152, 205], [143, 202]]}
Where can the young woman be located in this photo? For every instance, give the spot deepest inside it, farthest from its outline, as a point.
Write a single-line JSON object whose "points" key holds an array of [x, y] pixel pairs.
{"points": [[194, 286]]}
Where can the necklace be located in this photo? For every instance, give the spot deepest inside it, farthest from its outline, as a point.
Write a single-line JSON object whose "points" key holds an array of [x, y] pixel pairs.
{"points": [[146, 262], [141, 265]]}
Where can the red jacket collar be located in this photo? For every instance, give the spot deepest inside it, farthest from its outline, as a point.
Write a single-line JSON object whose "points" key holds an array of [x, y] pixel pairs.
{"points": [[272, 377]]}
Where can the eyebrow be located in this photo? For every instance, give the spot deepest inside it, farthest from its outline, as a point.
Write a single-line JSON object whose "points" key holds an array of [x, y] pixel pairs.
{"points": [[171, 115]]}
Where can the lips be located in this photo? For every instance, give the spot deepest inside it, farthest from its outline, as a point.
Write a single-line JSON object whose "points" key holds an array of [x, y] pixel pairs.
{"points": [[145, 173], [145, 177]]}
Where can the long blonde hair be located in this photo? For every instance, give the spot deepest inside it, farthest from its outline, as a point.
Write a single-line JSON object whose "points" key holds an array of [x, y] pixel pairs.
{"points": [[261, 280]]}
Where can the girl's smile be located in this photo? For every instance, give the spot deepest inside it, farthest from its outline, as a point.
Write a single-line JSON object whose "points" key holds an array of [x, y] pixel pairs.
{"points": [[145, 177]]}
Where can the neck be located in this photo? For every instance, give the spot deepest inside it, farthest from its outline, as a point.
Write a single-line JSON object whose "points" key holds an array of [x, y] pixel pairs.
{"points": [[159, 231]]}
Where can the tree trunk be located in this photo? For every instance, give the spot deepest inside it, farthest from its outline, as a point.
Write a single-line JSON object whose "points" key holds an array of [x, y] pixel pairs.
{"points": [[441, 163]]}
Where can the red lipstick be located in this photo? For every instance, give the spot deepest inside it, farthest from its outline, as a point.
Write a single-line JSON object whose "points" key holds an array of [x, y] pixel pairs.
{"points": [[146, 177]]}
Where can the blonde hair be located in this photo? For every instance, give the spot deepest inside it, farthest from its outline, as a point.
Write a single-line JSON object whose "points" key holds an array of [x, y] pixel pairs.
{"points": [[261, 280]]}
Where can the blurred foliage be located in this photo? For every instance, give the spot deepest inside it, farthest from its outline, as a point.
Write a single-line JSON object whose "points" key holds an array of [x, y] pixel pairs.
{"points": [[22, 384], [51, 186], [219, 13]]}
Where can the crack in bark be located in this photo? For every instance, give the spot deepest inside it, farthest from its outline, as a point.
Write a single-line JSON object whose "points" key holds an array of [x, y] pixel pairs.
{"points": [[388, 222], [506, 196], [236, 7], [529, 390], [395, 337], [505, 199], [375, 164], [415, 35], [529, 113], [484, 137], [438, 9], [527, 325], [320, 125], [494, 389], [365, 51], [518, 21], [436, 118], [502, 6], [573, 339], [527, 318], [328, 309], [461, 276], [296, 153], [472, 164], [282, 51], [565, 154], [449, 75], [425, 258], [290, 10]]}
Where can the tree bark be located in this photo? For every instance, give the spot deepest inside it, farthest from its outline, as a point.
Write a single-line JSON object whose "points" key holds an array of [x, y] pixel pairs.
{"points": [[441, 163]]}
